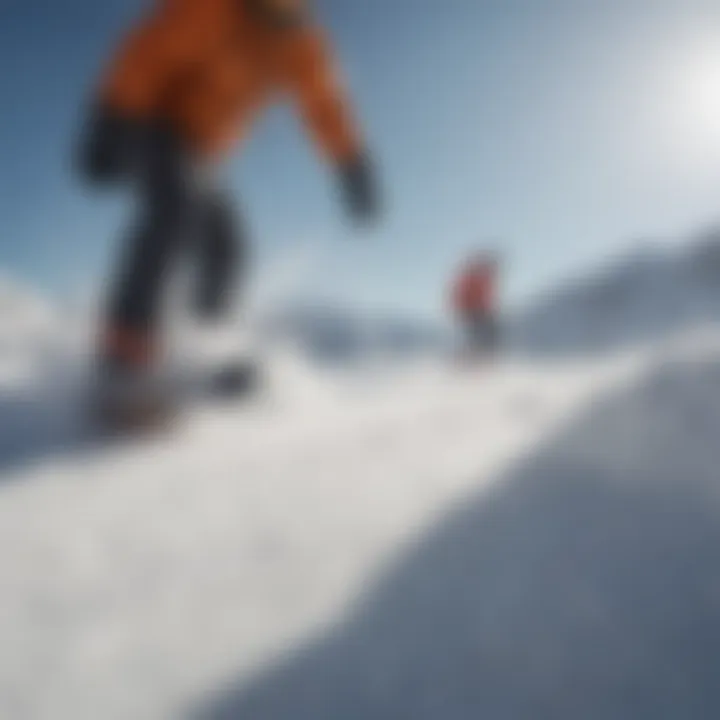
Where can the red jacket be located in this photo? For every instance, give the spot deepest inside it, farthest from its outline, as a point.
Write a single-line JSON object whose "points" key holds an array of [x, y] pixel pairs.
{"points": [[474, 291]]}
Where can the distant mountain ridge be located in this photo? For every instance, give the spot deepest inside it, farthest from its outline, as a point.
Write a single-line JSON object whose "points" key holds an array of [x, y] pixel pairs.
{"points": [[339, 334], [643, 296]]}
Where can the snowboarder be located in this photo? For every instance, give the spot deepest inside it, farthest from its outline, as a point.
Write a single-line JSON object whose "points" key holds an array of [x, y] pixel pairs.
{"points": [[474, 304], [182, 88]]}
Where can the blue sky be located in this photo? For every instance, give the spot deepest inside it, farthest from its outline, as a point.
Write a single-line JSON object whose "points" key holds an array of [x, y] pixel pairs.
{"points": [[558, 130]]}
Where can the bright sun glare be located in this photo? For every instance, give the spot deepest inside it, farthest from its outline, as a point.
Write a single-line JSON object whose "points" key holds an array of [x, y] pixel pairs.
{"points": [[696, 98]]}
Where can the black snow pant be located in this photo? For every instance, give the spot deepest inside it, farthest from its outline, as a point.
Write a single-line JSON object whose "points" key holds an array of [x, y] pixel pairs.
{"points": [[180, 215], [482, 332]]}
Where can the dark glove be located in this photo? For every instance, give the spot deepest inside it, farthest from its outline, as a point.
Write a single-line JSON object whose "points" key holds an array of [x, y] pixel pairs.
{"points": [[359, 190], [109, 143]]}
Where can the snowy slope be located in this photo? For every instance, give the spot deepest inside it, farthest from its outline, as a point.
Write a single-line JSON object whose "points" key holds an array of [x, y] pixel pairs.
{"points": [[137, 577], [27, 327], [331, 335], [643, 297], [523, 541]]}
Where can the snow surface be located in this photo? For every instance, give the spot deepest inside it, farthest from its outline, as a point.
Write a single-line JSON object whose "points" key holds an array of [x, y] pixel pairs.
{"points": [[537, 539]]}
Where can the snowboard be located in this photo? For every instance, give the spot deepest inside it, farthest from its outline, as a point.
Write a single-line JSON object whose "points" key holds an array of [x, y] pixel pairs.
{"points": [[158, 403]]}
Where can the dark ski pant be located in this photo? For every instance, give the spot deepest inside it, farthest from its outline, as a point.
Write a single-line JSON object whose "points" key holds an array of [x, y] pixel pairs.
{"points": [[180, 215], [482, 332]]}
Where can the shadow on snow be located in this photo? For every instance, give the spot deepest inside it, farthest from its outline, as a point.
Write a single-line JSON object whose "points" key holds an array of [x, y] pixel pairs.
{"points": [[585, 585]]}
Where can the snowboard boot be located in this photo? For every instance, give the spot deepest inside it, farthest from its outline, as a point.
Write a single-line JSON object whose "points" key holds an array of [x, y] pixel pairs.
{"points": [[235, 379], [224, 357], [128, 393]]}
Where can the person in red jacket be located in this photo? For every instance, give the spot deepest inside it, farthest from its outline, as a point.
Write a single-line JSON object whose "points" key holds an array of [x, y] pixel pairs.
{"points": [[474, 299], [184, 86]]}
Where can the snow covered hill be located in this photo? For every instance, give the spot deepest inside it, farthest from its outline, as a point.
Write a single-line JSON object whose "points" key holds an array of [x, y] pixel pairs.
{"points": [[646, 296], [27, 329], [340, 335], [537, 539]]}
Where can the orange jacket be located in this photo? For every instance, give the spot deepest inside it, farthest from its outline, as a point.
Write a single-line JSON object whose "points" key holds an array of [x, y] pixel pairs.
{"points": [[474, 291], [208, 66]]}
